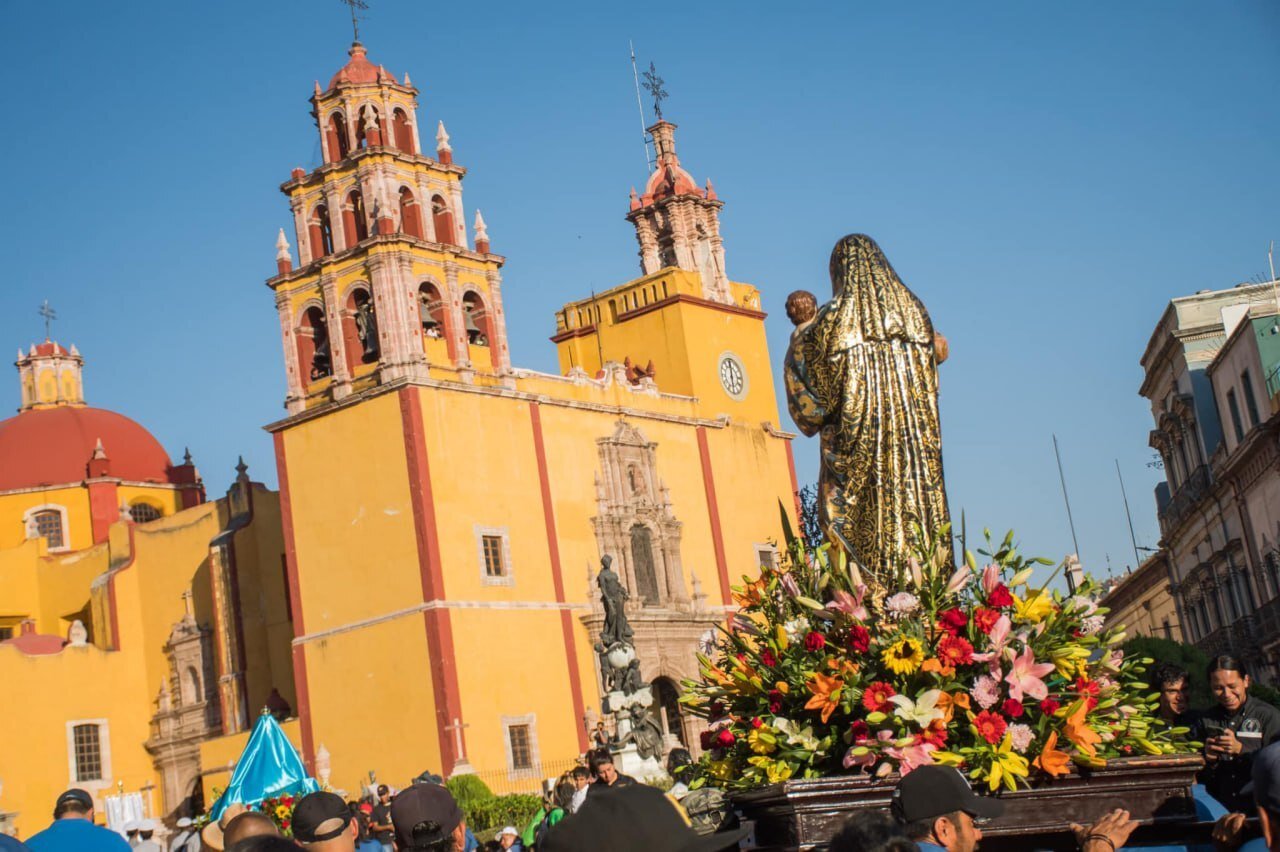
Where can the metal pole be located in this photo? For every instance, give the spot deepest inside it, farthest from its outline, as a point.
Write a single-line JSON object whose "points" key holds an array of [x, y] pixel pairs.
{"points": [[1137, 560], [1071, 585], [635, 75]]}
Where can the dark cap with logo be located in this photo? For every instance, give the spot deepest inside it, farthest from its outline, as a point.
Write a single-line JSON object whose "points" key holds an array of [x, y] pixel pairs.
{"points": [[420, 804], [75, 794], [933, 791], [320, 816]]}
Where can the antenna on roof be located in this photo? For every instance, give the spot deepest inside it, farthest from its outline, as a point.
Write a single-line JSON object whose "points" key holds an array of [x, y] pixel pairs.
{"points": [[1071, 584], [648, 160], [355, 22]]}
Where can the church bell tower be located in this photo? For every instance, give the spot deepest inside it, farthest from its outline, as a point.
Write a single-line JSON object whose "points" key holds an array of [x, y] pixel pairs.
{"points": [[387, 285]]}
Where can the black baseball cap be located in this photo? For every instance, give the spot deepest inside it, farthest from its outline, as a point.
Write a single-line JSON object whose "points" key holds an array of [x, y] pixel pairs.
{"points": [[421, 803], [75, 794], [928, 792], [320, 816], [636, 818], [1266, 779]]}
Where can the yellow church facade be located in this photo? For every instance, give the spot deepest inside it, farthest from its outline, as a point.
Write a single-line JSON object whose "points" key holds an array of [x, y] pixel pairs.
{"points": [[138, 620], [445, 512]]}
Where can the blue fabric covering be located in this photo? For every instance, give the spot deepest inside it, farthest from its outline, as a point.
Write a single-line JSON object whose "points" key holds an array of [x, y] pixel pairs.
{"points": [[269, 766], [77, 835], [8, 844]]}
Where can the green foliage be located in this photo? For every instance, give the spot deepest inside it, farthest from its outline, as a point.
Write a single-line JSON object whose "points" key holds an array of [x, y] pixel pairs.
{"points": [[468, 790], [1266, 693], [497, 811], [1189, 657]]}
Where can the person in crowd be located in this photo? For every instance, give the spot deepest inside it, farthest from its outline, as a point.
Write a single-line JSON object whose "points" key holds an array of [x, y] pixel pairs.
{"points": [[427, 819], [73, 829], [186, 839], [1175, 692], [266, 843], [678, 760], [323, 822], [581, 783], [11, 844], [555, 806], [244, 825], [380, 820], [146, 831], [607, 775], [871, 831], [1233, 731], [600, 737], [131, 833], [637, 818], [509, 838], [361, 813]]}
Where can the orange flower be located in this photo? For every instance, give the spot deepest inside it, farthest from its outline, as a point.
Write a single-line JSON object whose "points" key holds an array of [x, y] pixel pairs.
{"points": [[934, 665], [1080, 733], [948, 702], [1051, 761], [751, 594], [826, 694]]}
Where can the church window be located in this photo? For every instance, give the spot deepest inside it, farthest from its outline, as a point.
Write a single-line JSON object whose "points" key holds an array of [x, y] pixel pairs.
{"points": [[1250, 404], [47, 524], [88, 754], [6, 633], [475, 319], [494, 552], [442, 218], [367, 125], [766, 556], [410, 215], [642, 563], [403, 131], [354, 224], [360, 329], [431, 312], [521, 735], [144, 512], [321, 232], [314, 357], [1234, 408], [667, 698], [337, 137]]}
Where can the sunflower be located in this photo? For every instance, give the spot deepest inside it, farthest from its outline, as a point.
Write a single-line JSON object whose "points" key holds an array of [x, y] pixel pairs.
{"points": [[903, 656]]}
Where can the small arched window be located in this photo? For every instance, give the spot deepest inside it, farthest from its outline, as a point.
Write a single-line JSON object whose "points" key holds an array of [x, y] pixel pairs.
{"points": [[360, 329], [47, 524], [403, 131], [410, 215], [431, 312], [475, 320], [442, 218], [336, 136], [321, 232], [368, 127], [144, 512], [314, 359], [354, 224]]}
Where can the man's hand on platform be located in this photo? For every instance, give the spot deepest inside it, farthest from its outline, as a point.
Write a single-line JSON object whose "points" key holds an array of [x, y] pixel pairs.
{"points": [[1107, 834], [1228, 832]]}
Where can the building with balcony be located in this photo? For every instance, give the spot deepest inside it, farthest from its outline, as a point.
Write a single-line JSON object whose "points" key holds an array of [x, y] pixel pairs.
{"points": [[1212, 375], [1141, 603]]}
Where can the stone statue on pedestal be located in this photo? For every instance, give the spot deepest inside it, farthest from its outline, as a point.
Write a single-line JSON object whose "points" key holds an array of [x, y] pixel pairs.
{"points": [[614, 597]]}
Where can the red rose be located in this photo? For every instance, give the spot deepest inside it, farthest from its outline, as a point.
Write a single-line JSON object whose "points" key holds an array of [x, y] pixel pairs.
{"points": [[814, 641], [952, 620], [768, 658], [859, 639], [757, 723], [876, 696], [706, 740], [725, 738], [991, 726], [742, 658], [1000, 596], [1049, 706], [1011, 708], [954, 651], [775, 701], [860, 732], [715, 711], [985, 619]]}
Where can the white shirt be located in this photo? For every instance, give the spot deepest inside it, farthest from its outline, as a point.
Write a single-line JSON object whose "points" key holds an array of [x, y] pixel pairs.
{"points": [[579, 796]]}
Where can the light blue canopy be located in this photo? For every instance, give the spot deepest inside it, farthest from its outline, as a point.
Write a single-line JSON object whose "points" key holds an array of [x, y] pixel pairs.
{"points": [[269, 766]]}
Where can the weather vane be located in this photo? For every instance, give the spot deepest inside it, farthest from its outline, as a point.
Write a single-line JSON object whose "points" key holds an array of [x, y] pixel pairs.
{"points": [[653, 83], [49, 314], [355, 22]]}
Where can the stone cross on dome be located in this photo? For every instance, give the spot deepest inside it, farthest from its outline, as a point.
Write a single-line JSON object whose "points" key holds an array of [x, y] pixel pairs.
{"points": [[49, 314]]}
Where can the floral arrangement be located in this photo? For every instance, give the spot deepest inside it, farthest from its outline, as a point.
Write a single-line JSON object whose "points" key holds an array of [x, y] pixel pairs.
{"points": [[816, 675], [280, 809]]}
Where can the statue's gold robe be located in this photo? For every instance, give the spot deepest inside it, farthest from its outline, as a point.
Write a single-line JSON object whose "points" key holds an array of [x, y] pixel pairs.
{"points": [[864, 374]]}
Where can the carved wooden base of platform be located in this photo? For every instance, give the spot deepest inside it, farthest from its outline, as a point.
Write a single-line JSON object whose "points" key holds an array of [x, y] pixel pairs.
{"points": [[805, 814]]}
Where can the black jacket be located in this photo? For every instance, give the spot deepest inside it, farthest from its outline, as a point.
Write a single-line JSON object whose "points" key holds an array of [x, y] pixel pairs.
{"points": [[1255, 724]]}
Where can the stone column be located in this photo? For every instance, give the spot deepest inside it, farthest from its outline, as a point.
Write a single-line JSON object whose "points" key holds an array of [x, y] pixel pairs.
{"points": [[453, 305], [293, 370], [498, 322], [337, 346]]}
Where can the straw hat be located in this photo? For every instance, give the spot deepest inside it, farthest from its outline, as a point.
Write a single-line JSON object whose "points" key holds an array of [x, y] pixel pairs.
{"points": [[211, 834]]}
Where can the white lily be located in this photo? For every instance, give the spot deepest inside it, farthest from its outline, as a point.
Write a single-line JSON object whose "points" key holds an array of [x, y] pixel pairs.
{"points": [[922, 711], [797, 735]]}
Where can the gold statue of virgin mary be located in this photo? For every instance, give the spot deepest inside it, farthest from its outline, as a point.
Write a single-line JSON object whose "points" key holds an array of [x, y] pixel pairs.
{"points": [[863, 372]]}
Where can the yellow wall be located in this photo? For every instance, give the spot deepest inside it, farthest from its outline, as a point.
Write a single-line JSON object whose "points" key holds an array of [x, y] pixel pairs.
{"points": [[15, 505]]}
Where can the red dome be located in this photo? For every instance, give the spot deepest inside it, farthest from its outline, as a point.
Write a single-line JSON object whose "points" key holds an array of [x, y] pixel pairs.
{"points": [[359, 70], [52, 446]]}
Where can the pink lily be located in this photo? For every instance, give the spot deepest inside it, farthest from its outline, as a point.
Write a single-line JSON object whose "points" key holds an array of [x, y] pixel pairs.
{"points": [[871, 756], [990, 578], [999, 638], [850, 604], [790, 586], [958, 579], [912, 757], [1025, 677]]}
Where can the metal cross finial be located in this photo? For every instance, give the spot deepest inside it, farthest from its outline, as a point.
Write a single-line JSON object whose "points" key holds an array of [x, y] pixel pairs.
{"points": [[653, 83], [49, 314], [355, 21]]}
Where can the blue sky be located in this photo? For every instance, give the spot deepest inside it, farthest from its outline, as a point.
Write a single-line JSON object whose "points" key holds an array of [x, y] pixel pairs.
{"points": [[1045, 176]]}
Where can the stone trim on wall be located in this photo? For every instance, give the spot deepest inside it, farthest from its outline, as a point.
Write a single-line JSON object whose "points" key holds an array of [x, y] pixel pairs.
{"points": [[507, 578]]}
